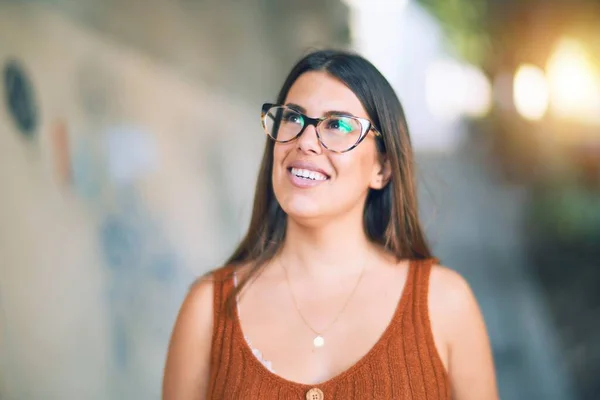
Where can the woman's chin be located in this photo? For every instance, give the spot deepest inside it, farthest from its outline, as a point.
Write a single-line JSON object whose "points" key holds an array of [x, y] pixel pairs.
{"points": [[303, 212]]}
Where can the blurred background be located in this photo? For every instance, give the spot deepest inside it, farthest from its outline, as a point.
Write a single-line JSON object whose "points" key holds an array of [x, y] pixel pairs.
{"points": [[130, 142]]}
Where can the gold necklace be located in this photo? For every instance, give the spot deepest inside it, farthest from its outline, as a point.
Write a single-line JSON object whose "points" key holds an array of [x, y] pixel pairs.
{"points": [[319, 340]]}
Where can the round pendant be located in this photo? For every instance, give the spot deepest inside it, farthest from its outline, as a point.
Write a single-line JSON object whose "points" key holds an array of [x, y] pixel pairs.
{"points": [[319, 341]]}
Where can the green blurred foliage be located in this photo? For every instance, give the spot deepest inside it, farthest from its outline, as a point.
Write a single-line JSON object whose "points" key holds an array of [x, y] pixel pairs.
{"points": [[569, 213], [464, 24]]}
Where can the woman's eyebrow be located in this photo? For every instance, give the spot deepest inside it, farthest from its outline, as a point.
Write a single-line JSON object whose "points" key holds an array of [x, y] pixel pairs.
{"points": [[327, 114], [296, 107], [330, 113]]}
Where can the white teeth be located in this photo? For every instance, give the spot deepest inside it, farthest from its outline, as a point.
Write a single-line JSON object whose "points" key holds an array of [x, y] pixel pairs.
{"points": [[308, 174]]}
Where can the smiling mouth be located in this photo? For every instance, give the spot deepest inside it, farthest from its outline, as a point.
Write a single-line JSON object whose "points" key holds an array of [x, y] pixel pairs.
{"points": [[308, 174]]}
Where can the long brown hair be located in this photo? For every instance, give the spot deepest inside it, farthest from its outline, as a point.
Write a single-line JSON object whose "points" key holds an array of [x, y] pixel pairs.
{"points": [[390, 214]]}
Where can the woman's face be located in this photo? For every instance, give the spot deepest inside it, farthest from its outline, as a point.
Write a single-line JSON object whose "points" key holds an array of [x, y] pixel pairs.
{"points": [[340, 182]]}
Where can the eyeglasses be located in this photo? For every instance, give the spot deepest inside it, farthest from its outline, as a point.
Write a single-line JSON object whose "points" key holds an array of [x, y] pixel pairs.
{"points": [[337, 133]]}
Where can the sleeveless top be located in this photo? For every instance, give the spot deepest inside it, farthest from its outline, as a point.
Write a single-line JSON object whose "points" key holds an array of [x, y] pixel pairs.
{"points": [[403, 363]]}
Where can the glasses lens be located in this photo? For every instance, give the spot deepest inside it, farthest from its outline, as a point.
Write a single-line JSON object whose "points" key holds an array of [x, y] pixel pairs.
{"points": [[282, 123], [340, 133]]}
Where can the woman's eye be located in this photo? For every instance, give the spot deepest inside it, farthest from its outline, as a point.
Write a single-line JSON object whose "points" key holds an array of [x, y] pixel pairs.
{"points": [[292, 117], [340, 125]]}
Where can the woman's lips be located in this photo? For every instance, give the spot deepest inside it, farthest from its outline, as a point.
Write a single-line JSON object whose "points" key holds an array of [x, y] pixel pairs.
{"points": [[305, 178]]}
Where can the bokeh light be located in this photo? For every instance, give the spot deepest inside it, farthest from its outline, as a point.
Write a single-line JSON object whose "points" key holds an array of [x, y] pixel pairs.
{"points": [[531, 92], [574, 82]]}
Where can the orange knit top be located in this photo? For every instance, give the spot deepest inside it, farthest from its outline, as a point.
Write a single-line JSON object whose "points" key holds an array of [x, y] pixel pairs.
{"points": [[403, 364]]}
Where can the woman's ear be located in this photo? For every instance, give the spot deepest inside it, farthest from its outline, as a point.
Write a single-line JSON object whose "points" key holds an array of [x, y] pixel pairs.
{"points": [[382, 175]]}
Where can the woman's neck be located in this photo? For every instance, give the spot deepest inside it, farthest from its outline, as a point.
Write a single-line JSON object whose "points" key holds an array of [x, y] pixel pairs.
{"points": [[326, 251]]}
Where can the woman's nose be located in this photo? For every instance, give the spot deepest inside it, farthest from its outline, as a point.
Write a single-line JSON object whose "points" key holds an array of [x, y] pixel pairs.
{"points": [[309, 142]]}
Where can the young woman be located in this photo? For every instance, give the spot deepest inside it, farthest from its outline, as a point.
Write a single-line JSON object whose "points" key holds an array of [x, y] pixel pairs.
{"points": [[333, 293]]}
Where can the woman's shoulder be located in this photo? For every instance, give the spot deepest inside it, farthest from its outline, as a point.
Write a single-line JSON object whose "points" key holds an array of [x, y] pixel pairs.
{"points": [[196, 314], [202, 291], [460, 333], [448, 285], [200, 296], [192, 334], [198, 302], [452, 304], [450, 293]]}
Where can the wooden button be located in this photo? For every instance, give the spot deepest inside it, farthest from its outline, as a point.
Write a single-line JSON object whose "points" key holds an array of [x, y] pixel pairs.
{"points": [[314, 394]]}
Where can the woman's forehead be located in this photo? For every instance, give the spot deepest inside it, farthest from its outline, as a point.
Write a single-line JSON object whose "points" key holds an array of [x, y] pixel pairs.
{"points": [[317, 93]]}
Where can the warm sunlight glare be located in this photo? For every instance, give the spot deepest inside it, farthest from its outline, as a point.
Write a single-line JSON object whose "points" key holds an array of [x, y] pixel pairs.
{"points": [[574, 82], [531, 94]]}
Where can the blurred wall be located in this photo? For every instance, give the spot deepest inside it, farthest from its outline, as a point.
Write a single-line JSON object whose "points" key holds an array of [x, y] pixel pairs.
{"points": [[138, 178]]}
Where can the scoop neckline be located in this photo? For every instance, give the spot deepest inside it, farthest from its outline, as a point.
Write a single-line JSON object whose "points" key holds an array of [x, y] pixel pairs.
{"points": [[238, 335]]}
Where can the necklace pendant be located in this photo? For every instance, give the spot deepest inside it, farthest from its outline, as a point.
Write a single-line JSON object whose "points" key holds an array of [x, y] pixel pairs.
{"points": [[318, 341]]}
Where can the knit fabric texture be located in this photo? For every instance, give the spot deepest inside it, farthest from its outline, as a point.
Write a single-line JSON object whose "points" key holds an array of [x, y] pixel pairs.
{"points": [[403, 364]]}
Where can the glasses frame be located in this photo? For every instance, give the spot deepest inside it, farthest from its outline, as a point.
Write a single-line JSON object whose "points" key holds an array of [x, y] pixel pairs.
{"points": [[366, 125]]}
